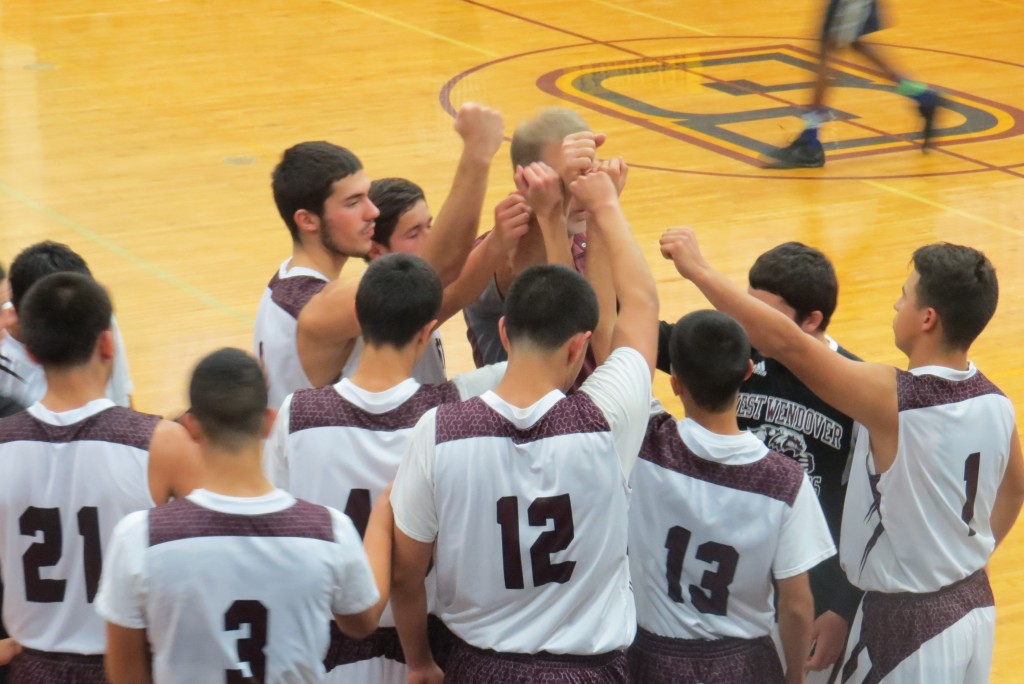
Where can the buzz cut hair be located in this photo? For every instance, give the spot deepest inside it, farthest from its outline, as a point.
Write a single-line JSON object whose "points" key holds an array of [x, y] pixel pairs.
{"points": [[551, 125]]}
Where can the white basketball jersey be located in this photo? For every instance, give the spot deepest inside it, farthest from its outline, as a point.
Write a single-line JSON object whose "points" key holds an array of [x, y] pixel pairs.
{"points": [[925, 523], [276, 324], [429, 370], [230, 588], [529, 510], [24, 380], [65, 480], [713, 520]]}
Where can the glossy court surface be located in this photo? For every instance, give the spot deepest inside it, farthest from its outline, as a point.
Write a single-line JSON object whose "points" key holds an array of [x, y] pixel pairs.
{"points": [[144, 133]]}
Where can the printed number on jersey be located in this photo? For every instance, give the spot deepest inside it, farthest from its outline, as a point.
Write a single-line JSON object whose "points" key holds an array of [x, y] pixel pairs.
{"points": [[712, 596], [47, 552], [557, 509]]}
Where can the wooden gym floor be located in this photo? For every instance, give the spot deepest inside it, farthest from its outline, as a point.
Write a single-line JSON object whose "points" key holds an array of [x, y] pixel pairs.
{"points": [[144, 133]]}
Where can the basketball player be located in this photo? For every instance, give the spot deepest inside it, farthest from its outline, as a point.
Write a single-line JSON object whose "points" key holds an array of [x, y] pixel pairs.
{"points": [[326, 329], [235, 582], [561, 139], [404, 225], [789, 418], [71, 466], [21, 378], [936, 478], [519, 495], [846, 23], [340, 445], [721, 516]]}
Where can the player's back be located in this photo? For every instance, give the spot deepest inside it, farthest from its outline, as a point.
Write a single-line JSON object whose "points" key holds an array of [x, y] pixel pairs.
{"points": [[925, 523], [719, 517], [230, 588], [531, 505], [66, 479], [276, 325]]}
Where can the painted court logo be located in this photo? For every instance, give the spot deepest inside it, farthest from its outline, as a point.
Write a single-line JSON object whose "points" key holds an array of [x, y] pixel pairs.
{"points": [[736, 102]]}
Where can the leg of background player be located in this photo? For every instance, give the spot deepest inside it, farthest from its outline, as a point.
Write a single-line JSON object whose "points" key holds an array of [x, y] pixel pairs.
{"points": [[927, 99]]}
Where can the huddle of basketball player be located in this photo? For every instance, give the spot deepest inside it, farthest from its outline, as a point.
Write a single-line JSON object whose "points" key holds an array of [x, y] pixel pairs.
{"points": [[333, 508]]}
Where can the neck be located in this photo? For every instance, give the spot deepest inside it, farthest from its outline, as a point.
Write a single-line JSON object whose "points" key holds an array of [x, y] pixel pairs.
{"points": [[235, 472], [381, 368], [14, 330], [957, 360], [529, 377], [318, 259], [718, 422], [73, 388]]}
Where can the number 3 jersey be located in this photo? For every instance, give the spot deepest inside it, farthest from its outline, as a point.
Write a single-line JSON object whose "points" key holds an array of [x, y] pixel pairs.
{"points": [[713, 519], [925, 523], [233, 588], [66, 479], [528, 509]]}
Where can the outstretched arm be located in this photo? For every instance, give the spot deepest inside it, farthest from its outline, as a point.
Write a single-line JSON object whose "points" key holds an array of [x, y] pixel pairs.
{"points": [[511, 221], [637, 323], [451, 238], [864, 391]]}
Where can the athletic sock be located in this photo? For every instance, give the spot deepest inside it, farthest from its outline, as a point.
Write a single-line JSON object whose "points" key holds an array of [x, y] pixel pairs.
{"points": [[812, 118], [912, 89]]}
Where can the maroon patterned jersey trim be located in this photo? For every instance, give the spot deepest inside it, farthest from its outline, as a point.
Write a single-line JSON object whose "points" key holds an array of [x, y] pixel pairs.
{"points": [[184, 519], [895, 626], [572, 415], [924, 391], [115, 425], [655, 659], [324, 407], [291, 294], [774, 476], [383, 643]]}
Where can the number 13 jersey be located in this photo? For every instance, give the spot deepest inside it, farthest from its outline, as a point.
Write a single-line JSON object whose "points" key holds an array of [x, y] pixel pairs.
{"points": [[925, 523], [714, 518], [66, 479]]}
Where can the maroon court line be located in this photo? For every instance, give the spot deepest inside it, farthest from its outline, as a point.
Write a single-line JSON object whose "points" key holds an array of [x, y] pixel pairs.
{"points": [[770, 96]]}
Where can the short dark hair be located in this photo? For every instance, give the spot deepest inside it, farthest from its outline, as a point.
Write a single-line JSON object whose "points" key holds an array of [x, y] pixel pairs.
{"points": [[62, 316], [960, 284], [398, 295], [549, 304], [803, 276], [392, 197], [40, 260], [711, 356], [304, 177], [228, 396]]}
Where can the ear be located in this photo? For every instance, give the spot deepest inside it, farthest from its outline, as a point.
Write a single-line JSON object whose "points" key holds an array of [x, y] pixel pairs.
{"points": [[929, 320], [677, 386], [812, 322], [750, 370], [269, 416], [105, 345], [192, 427], [307, 221], [577, 346], [376, 250], [423, 336], [502, 333]]}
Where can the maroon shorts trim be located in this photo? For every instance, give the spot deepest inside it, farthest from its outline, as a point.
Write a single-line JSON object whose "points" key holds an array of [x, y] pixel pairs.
{"points": [[42, 667], [655, 659], [470, 665]]}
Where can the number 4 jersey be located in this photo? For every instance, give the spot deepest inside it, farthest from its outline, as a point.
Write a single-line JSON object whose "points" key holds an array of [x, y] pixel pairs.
{"points": [[66, 479], [236, 589], [713, 519]]}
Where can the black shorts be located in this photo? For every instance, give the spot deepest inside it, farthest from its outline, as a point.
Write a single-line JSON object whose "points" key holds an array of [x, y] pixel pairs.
{"points": [[848, 20]]}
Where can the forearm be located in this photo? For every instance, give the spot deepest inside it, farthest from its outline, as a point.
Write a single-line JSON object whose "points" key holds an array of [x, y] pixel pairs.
{"points": [[409, 606], [795, 632], [483, 262], [631, 276], [599, 275], [557, 244], [378, 545], [458, 221]]}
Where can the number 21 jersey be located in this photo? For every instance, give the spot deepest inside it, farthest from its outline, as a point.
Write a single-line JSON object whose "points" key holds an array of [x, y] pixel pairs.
{"points": [[66, 479]]}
